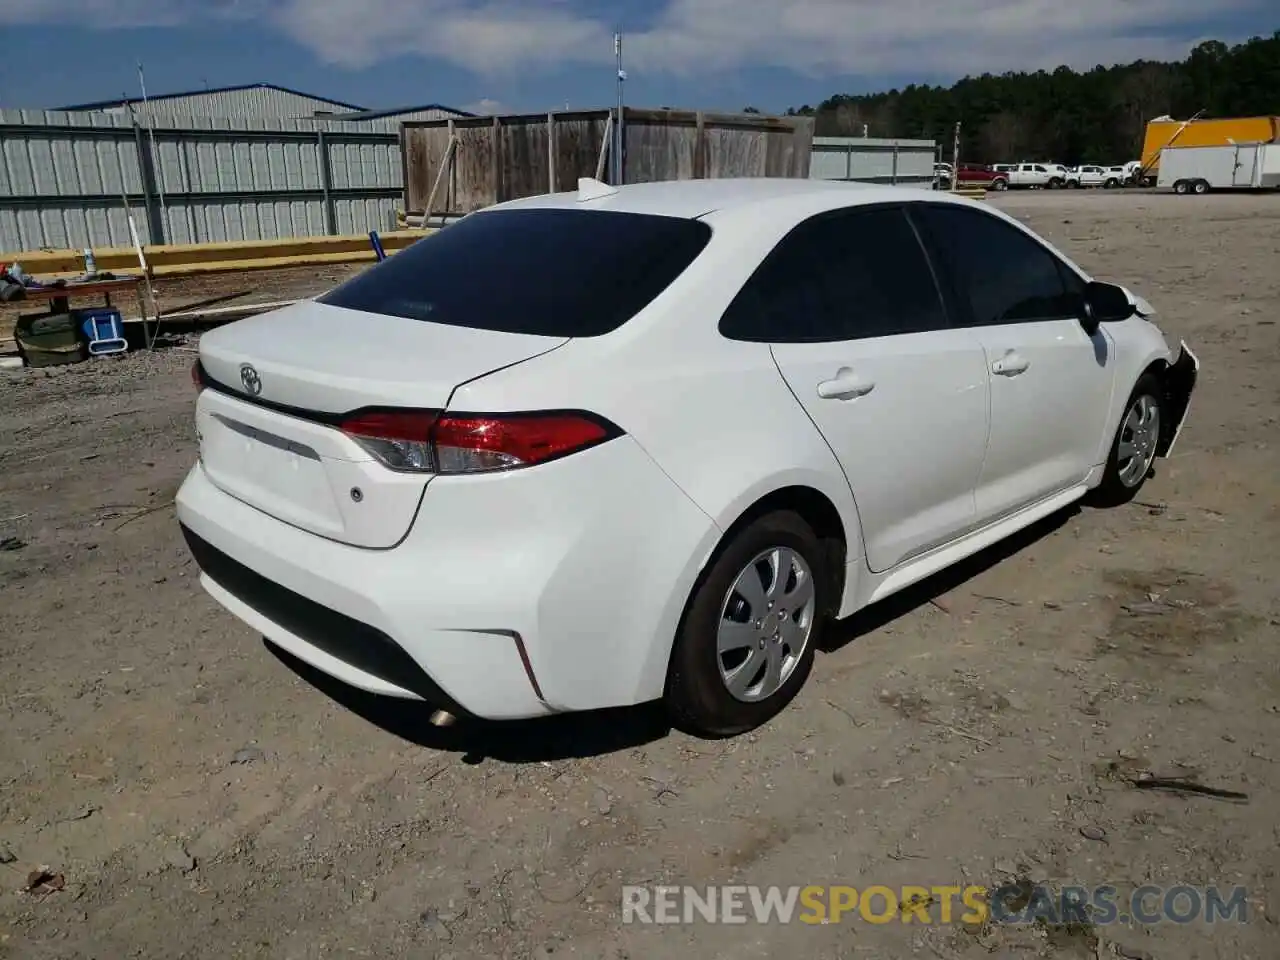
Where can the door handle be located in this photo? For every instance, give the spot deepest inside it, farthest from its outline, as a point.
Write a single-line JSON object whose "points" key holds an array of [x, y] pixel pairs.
{"points": [[1010, 365], [846, 385]]}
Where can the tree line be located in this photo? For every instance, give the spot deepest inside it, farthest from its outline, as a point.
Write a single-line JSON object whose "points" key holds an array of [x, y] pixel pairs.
{"points": [[1098, 116]]}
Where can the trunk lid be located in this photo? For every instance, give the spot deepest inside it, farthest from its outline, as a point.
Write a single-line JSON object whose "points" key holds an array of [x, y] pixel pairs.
{"points": [[327, 359], [268, 433]]}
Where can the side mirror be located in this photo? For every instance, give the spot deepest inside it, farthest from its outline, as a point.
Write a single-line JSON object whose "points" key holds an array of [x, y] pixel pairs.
{"points": [[1105, 303]]}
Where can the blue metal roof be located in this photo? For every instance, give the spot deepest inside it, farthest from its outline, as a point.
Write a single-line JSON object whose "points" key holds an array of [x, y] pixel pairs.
{"points": [[121, 101]]}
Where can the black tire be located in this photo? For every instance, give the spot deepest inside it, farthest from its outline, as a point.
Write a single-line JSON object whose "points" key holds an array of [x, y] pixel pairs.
{"points": [[1073, 184], [1113, 491], [1055, 183], [697, 698], [1111, 184], [1200, 187], [1181, 187], [999, 184]]}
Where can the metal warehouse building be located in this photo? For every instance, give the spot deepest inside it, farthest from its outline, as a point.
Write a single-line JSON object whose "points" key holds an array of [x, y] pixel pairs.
{"points": [[254, 162], [258, 101]]}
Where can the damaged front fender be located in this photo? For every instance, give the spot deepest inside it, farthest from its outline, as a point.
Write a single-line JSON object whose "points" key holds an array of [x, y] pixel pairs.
{"points": [[1180, 383]]}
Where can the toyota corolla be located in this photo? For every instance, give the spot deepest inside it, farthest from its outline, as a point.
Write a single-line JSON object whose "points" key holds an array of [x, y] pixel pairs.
{"points": [[621, 445]]}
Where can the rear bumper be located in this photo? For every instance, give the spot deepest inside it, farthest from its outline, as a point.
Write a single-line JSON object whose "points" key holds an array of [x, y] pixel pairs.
{"points": [[514, 595], [362, 655]]}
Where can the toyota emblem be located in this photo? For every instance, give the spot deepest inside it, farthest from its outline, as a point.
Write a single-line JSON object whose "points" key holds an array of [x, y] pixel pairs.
{"points": [[249, 377]]}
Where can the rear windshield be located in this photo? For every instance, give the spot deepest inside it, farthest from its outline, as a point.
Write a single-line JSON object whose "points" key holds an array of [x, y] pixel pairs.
{"points": [[549, 272]]}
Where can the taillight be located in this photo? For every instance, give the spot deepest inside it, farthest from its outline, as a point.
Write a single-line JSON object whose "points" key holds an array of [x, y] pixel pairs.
{"points": [[427, 441], [401, 439], [197, 376]]}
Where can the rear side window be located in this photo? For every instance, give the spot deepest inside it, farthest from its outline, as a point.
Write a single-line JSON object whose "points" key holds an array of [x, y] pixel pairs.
{"points": [[1000, 274], [839, 276], [548, 272]]}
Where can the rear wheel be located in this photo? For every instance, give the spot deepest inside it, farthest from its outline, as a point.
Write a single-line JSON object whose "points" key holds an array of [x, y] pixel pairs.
{"points": [[1134, 448], [1181, 187], [1200, 186], [746, 643], [999, 184]]}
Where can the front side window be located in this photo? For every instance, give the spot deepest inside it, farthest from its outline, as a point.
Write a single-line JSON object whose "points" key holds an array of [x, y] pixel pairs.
{"points": [[999, 273]]}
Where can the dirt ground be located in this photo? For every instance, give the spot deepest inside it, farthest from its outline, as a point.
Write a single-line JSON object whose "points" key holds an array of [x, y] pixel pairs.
{"points": [[218, 291], [201, 797]]}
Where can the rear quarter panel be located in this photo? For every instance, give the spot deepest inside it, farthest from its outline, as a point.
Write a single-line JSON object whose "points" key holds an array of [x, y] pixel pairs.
{"points": [[715, 414]]}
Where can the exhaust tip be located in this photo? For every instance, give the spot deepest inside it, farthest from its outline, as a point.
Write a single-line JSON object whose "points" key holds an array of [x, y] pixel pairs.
{"points": [[442, 718]]}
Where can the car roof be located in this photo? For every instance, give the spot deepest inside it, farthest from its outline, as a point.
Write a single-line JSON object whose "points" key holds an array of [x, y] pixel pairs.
{"points": [[696, 198]]}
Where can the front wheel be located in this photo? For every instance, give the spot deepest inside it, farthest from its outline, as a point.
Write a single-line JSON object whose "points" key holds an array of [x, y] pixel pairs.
{"points": [[746, 644], [1073, 184], [999, 185], [1134, 448]]}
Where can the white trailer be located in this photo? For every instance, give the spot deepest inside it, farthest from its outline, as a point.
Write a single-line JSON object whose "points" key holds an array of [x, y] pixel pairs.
{"points": [[1233, 166]]}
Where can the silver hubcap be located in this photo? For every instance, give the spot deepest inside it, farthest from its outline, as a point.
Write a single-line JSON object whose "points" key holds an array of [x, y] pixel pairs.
{"points": [[765, 622], [1138, 438]]}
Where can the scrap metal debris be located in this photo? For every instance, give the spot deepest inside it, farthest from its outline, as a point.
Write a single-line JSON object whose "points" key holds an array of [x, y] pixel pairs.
{"points": [[1146, 781]]}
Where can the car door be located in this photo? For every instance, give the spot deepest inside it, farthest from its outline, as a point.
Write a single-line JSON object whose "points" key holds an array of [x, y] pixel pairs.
{"points": [[1051, 382], [850, 307]]}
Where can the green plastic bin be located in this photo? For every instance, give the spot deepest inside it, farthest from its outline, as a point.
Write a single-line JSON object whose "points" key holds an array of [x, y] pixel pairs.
{"points": [[49, 339]]}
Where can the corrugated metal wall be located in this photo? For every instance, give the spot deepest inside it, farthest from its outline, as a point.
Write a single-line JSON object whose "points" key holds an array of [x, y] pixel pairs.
{"points": [[873, 160], [66, 179]]}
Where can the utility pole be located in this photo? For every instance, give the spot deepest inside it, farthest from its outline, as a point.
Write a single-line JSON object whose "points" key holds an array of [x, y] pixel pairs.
{"points": [[619, 138], [157, 163], [955, 158]]}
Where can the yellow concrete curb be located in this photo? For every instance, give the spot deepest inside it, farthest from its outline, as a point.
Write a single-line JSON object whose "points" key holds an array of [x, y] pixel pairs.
{"points": [[181, 259]]}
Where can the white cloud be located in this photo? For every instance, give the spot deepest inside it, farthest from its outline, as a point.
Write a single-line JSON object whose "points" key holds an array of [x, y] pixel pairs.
{"points": [[697, 37], [125, 13], [486, 107], [487, 38]]}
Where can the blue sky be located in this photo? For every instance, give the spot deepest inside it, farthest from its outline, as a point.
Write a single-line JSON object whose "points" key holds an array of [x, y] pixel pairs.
{"points": [[541, 54]]}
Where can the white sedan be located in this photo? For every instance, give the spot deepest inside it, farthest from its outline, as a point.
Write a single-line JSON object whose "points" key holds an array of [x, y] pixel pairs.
{"points": [[600, 448]]}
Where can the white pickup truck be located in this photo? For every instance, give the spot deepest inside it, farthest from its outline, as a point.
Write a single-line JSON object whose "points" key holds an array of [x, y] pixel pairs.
{"points": [[1087, 175], [1093, 175], [1049, 176]]}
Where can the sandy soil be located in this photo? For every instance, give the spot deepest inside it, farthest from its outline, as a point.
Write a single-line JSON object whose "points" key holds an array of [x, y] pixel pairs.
{"points": [[202, 798]]}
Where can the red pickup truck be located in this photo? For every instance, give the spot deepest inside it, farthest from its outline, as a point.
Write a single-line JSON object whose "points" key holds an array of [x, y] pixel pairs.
{"points": [[979, 175], [972, 175]]}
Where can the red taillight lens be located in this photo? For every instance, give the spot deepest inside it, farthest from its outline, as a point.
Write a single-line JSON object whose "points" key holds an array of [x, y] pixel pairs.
{"points": [[469, 444], [427, 441]]}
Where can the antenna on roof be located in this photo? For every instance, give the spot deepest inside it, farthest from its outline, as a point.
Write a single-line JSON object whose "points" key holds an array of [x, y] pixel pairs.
{"points": [[590, 188]]}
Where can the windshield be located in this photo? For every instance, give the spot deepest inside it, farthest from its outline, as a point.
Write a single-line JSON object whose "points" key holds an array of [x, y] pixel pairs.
{"points": [[545, 271]]}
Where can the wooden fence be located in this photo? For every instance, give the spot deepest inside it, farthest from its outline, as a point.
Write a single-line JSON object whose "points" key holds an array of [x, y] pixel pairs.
{"points": [[462, 164]]}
